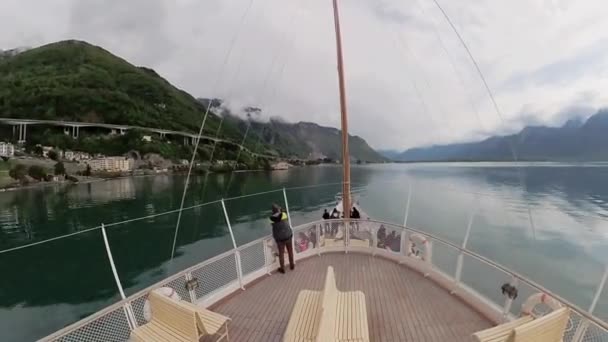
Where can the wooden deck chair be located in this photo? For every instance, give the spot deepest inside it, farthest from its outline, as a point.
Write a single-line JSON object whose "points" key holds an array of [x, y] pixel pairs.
{"points": [[500, 333], [170, 322], [210, 323], [548, 328]]}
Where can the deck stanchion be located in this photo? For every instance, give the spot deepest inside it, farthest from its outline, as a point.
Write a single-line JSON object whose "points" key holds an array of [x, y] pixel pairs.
{"points": [[237, 253], [293, 238], [509, 302], [191, 290], [465, 241], [584, 325], [407, 204], [127, 307], [319, 228], [287, 208]]}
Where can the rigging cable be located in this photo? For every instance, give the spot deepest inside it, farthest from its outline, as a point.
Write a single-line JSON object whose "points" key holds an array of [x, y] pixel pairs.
{"points": [[221, 71], [496, 108], [285, 40], [406, 50]]}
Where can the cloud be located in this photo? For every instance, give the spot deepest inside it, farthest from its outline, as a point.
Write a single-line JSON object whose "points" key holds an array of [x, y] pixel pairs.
{"points": [[543, 59]]}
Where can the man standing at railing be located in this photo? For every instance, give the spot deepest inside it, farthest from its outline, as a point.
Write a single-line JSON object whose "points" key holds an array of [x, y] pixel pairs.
{"points": [[281, 232]]}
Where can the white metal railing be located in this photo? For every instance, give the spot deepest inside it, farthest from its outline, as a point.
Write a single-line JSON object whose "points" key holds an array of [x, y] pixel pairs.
{"points": [[442, 261], [215, 278]]}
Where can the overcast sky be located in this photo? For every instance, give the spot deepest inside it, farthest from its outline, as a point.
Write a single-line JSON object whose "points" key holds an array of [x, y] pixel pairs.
{"points": [[545, 60]]}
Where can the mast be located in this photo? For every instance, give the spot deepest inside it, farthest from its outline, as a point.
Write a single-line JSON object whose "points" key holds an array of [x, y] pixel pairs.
{"points": [[346, 202]]}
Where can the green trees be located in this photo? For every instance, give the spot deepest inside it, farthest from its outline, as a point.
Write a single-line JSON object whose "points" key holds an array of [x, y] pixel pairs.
{"points": [[37, 172], [59, 169], [87, 172], [53, 155], [18, 172]]}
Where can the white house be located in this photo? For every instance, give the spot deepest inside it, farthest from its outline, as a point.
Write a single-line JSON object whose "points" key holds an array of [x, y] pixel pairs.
{"points": [[6, 149]]}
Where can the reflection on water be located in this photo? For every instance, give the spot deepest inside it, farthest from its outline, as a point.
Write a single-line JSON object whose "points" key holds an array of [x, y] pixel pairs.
{"points": [[548, 223]]}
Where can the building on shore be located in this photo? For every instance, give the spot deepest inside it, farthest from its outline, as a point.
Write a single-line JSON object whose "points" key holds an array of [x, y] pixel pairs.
{"points": [[112, 164], [6, 149], [281, 166], [76, 156]]}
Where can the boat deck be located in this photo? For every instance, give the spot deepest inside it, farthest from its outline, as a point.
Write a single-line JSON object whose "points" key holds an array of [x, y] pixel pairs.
{"points": [[402, 305]]}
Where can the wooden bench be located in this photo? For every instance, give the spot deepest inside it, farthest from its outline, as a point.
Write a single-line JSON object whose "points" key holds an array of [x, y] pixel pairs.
{"points": [[549, 328], [174, 320], [328, 315], [500, 333]]}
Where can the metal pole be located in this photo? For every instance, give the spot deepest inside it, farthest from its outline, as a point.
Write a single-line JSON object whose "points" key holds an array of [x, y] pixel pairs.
{"points": [[346, 202], [127, 309], [407, 205], [287, 208], [237, 254], [509, 301], [584, 325], [599, 291], [464, 246]]}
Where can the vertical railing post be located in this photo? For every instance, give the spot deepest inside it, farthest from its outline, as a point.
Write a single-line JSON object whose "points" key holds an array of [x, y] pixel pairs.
{"points": [[287, 208], [407, 204], [402, 243], [127, 307], [346, 224], [465, 241], [191, 290], [318, 232], [509, 302], [584, 324], [237, 253], [374, 240], [293, 238]]}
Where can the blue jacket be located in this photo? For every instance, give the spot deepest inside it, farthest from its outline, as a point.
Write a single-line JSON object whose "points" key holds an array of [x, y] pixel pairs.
{"points": [[280, 226]]}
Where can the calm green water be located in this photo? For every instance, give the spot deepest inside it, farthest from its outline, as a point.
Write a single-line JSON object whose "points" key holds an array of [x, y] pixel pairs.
{"points": [[45, 287]]}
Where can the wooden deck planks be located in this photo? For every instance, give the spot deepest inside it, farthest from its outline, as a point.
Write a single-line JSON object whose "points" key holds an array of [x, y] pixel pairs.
{"points": [[401, 304]]}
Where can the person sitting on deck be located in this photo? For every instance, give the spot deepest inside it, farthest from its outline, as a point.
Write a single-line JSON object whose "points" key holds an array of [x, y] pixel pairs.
{"points": [[281, 232]]}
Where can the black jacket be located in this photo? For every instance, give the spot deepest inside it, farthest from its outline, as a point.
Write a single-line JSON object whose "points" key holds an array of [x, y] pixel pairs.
{"points": [[280, 227]]}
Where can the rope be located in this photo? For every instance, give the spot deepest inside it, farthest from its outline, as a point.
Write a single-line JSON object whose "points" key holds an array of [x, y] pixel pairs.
{"points": [[48, 240], [216, 83], [284, 39], [496, 108]]}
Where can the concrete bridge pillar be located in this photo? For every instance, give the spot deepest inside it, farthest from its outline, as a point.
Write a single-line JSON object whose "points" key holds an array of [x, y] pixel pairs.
{"points": [[122, 131], [22, 133], [75, 131], [66, 130], [186, 141]]}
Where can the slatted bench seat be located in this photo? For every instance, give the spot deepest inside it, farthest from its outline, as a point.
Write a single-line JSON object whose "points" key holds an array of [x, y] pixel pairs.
{"points": [[548, 328], [328, 315], [500, 333], [179, 321]]}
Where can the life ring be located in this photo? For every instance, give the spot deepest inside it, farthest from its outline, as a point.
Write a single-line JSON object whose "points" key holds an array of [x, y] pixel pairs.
{"points": [[418, 239], [527, 308], [165, 291]]}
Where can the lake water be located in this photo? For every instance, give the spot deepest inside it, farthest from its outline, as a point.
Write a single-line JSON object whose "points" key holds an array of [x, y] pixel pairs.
{"points": [[546, 221]]}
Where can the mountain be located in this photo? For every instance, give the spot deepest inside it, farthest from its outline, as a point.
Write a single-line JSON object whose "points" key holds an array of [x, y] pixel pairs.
{"points": [[76, 81], [310, 141], [390, 154], [574, 141]]}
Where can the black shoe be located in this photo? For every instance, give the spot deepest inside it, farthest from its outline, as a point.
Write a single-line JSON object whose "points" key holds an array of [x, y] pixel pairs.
{"points": [[291, 267], [281, 270]]}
